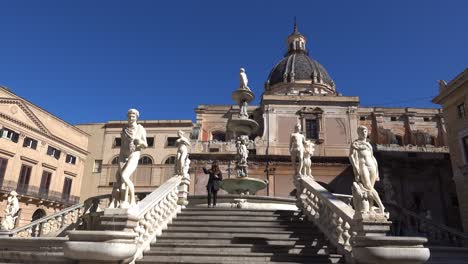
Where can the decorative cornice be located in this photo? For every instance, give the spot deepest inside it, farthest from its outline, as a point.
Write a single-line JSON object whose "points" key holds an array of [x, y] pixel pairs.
{"points": [[29, 160], [6, 152], [27, 111], [45, 165]]}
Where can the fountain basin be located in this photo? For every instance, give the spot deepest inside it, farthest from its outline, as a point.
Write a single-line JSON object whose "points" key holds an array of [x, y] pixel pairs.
{"points": [[245, 185]]}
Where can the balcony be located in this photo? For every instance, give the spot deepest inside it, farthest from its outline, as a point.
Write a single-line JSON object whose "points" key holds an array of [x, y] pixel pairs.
{"points": [[30, 191]]}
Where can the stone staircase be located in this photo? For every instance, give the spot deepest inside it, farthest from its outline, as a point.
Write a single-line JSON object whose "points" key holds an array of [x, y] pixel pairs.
{"points": [[225, 235]]}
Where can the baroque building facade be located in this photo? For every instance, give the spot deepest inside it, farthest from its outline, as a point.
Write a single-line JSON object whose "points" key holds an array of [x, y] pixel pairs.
{"points": [[41, 158], [410, 143], [453, 96]]}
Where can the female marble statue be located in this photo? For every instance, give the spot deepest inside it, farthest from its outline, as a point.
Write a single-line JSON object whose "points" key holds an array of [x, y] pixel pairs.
{"points": [[366, 174], [11, 210], [309, 148], [133, 140], [182, 144], [242, 155], [243, 80]]}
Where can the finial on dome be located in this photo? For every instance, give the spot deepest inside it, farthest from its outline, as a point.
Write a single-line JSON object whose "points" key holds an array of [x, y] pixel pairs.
{"points": [[295, 26]]}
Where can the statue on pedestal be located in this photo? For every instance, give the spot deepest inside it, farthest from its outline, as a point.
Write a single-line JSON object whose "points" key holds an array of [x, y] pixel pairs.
{"points": [[366, 174], [11, 211], [243, 80], [242, 155], [182, 161], [133, 138], [309, 148], [296, 149]]}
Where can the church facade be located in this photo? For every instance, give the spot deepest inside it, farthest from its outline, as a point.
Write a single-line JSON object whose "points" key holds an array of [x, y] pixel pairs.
{"points": [[410, 143]]}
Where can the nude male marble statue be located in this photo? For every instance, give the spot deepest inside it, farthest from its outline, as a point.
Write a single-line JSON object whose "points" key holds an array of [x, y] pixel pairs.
{"points": [[366, 174], [296, 149], [133, 140], [309, 148], [243, 80], [182, 160], [11, 211]]}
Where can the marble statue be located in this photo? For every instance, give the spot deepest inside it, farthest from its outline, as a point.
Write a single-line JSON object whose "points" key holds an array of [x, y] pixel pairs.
{"points": [[296, 149], [243, 80], [243, 109], [366, 173], [309, 148], [11, 212], [133, 138], [182, 161], [242, 155]]}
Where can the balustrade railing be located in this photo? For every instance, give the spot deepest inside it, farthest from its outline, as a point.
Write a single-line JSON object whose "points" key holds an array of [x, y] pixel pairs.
{"points": [[155, 212], [408, 223], [332, 216]]}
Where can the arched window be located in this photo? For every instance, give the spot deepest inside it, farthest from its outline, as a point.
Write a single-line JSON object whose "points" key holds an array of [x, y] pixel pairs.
{"points": [[218, 136], [145, 160], [115, 161], [170, 160]]}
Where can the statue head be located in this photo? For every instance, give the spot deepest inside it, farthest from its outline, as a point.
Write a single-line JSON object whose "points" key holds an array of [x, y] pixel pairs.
{"points": [[242, 70], [180, 133], [13, 193], [133, 115], [362, 132], [297, 127]]}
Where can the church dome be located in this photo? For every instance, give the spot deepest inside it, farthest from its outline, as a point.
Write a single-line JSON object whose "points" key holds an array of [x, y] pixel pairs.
{"points": [[297, 72]]}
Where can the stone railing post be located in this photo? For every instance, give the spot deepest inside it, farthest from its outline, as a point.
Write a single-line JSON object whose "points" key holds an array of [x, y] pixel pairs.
{"points": [[183, 191]]}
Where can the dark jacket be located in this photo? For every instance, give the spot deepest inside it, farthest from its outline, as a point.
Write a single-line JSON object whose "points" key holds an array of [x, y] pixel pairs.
{"points": [[215, 178]]}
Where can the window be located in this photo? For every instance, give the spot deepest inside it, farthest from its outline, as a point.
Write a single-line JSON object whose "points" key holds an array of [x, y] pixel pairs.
{"points": [[45, 183], [70, 159], [311, 129], [426, 119], [145, 160], [171, 141], [150, 141], [461, 110], [170, 160], [10, 134], [30, 143], [3, 166], [67, 183], [465, 147], [393, 118], [97, 166], [117, 142], [51, 151], [219, 136], [23, 182], [115, 161], [362, 118]]}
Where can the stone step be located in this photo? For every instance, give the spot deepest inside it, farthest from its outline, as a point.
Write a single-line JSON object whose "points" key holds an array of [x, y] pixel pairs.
{"points": [[198, 209], [241, 229], [227, 240], [220, 257], [235, 218], [320, 249], [240, 234], [209, 222], [241, 212]]}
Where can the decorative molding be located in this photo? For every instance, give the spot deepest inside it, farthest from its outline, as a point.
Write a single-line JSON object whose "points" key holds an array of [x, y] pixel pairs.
{"points": [[29, 160], [45, 165], [6, 152], [70, 173]]}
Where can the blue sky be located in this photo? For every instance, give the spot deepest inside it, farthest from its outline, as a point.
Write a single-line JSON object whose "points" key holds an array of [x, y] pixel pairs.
{"points": [[89, 61]]}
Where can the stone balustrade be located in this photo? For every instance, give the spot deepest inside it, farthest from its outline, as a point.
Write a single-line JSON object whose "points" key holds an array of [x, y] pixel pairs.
{"points": [[329, 213], [362, 241]]}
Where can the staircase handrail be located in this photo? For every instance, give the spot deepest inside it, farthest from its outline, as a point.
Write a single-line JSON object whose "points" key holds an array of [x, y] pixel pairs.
{"points": [[332, 216], [439, 231], [155, 212], [54, 222]]}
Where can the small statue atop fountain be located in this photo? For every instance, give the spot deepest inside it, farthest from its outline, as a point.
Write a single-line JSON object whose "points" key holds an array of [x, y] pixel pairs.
{"points": [[11, 212], [243, 80], [242, 155], [243, 109], [296, 149], [133, 137], [366, 174], [182, 161], [309, 148]]}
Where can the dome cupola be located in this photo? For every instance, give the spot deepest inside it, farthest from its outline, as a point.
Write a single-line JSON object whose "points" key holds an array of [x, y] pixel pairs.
{"points": [[297, 73]]}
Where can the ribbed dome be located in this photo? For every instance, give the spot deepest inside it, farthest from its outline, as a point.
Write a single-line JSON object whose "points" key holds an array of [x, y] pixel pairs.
{"points": [[298, 66]]}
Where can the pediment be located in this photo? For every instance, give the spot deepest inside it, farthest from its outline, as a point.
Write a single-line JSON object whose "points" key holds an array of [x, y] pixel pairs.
{"points": [[310, 110], [15, 110]]}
